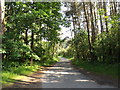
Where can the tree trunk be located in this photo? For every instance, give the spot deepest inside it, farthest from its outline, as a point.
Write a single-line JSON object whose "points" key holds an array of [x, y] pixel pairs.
{"points": [[92, 24], [86, 17], [32, 40], [26, 36], [74, 16], [106, 23], [2, 14], [101, 22], [2, 29], [115, 10], [32, 46], [96, 21]]}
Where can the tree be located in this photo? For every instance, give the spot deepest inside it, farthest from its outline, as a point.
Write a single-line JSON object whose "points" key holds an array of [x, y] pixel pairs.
{"points": [[87, 21], [106, 23], [28, 24], [91, 18], [2, 12]]}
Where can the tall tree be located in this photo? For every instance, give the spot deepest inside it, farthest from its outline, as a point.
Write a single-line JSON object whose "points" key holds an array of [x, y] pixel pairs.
{"points": [[106, 22], [2, 13], [88, 31], [92, 23], [100, 15]]}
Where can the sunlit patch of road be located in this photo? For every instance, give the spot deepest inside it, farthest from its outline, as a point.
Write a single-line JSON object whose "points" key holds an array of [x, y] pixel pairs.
{"points": [[62, 75]]}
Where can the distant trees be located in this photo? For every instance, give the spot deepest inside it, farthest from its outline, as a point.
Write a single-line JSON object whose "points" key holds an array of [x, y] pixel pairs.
{"points": [[99, 21]]}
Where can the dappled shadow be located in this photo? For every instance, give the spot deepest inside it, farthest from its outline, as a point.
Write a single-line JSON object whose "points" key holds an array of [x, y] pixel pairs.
{"points": [[31, 81], [36, 75], [62, 75]]}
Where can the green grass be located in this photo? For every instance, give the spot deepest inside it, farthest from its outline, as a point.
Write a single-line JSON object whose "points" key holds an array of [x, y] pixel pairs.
{"points": [[12, 74], [110, 70]]}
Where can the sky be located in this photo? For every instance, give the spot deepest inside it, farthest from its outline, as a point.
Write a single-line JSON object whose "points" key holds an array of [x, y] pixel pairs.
{"points": [[65, 32]]}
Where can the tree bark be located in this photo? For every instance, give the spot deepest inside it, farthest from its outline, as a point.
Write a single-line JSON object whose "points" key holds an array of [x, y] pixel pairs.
{"points": [[32, 46], [26, 36], [106, 23], [92, 24], [32, 40], [2, 14], [74, 16], [115, 10], [101, 22], [86, 17], [96, 21]]}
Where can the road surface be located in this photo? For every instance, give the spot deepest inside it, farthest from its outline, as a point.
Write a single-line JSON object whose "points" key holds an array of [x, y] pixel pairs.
{"points": [[63, 75]]}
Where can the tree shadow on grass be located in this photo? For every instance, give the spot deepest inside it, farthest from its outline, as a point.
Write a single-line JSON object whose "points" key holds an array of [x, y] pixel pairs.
{"points": [[23, 83], [28, 81]]}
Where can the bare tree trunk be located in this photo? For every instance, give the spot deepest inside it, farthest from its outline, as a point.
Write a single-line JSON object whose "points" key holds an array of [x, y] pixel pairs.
{"points": [[2, 30], [101, 23], [26, 36], [106, 23], [32, 45], [86, 17], [96, 21], [2, 14], [92, 23], [76, 49], [32, 40], [115, 10], [74, 16]]}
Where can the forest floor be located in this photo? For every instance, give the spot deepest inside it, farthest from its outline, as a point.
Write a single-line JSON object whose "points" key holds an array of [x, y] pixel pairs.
{"points": [[61, 75]]}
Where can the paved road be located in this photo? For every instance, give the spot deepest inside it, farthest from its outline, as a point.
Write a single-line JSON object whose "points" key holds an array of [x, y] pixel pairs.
{"points": [[62, 75]]}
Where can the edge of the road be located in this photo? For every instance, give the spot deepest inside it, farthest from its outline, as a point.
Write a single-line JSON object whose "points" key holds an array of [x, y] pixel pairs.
{"points": [[101, 79]]}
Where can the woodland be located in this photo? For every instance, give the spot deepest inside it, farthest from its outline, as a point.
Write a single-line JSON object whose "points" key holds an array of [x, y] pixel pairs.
{"points": [[31, 36]]}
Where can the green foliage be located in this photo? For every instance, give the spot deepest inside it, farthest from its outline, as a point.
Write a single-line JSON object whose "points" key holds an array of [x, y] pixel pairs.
{"points": [[68, 53], [12, 73], [78, 45], [107, 47], [17, 50], [16, 70], [31, 35], [26, 19], [110, 70]]}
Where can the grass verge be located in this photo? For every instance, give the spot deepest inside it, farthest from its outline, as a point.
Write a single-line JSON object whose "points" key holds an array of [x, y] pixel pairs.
{"points": [[110, 70], [12, 74]]}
